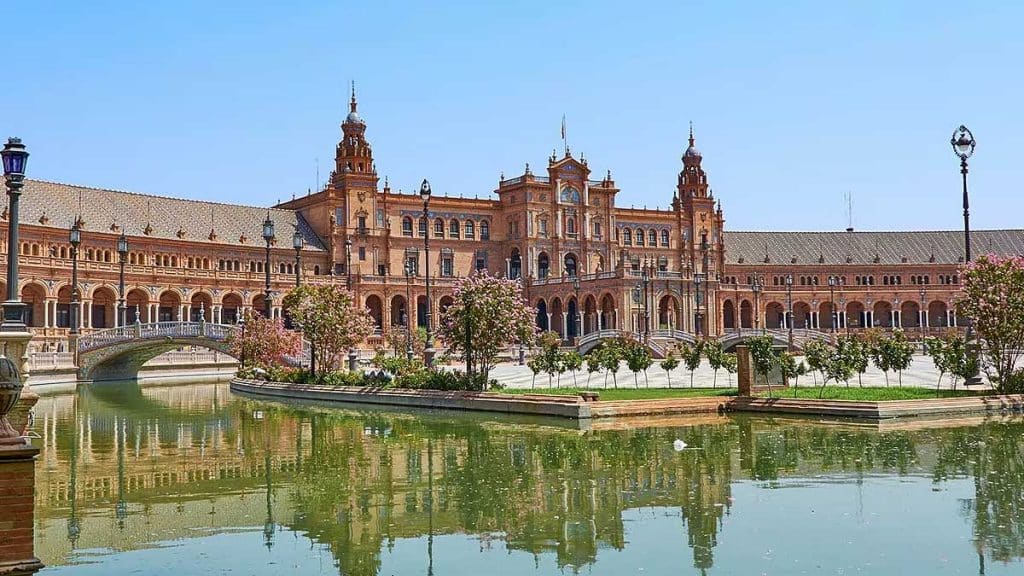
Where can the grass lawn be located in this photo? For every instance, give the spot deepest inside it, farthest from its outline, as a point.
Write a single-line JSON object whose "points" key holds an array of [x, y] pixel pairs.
{"points": [[869, 394], [629, 393]]}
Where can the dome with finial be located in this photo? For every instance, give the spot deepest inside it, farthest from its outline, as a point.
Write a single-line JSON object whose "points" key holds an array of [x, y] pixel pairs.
{"points": [[691, 151], [353, 115]]}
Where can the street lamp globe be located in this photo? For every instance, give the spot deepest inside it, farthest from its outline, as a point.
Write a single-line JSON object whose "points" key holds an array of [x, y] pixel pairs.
{"points": [[14, 157], [831, 280], [963, 142], [122, 243], [297, 240], [789, 279], [75, 236], [425, 190], [268, 229], [636, 294]]}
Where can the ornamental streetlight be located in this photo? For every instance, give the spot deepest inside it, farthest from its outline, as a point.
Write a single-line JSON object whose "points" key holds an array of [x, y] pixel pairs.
{"points": [[756, 288], [922, 313], [789, 309], [75, 237], [298, 243], [963, 146], [14, 159], [737, 314], [428, 351], [579, 313], [122, 252], [268, 237], [636, 303], [832, 302], [645, 279], [348, 264], [408, 298], [698, 279]]}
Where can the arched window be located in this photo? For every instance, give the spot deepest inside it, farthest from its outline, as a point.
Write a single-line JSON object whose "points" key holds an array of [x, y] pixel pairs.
{"points": [[570, 225], [485, 230], [453, 228], [470, 230], [597, 229], [571, 265], [639, 237], [543, 265], [627, 236], [439, 228], [664, 237], [423, 227], [407, 226], [652, 237]]}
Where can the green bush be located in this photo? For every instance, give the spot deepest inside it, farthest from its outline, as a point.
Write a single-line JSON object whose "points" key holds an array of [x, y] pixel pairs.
{"points": [[444, 380]]}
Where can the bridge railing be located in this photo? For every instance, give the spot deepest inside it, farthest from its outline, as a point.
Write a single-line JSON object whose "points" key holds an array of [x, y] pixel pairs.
{"points": [[154, 330]]}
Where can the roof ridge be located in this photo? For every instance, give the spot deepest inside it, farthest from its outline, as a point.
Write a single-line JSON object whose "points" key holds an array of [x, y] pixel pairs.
{"points": [[146, 195], [871, 231]]}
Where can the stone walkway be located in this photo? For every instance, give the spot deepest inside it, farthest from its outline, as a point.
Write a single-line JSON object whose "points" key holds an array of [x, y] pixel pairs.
{"points": [[922, 373]]}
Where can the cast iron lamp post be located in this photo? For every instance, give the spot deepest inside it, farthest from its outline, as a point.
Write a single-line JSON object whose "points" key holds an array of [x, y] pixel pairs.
{"points": [[921, 321], [756, 289], [645, 279], [122, 253], [14, 159], [298, 243], [428, 351], [408, 298], [832, 302], [75, 237], [268, 237], [963, 146], [636, 301], [348, 264], [789, 310], [698, 280], [579, 313]]}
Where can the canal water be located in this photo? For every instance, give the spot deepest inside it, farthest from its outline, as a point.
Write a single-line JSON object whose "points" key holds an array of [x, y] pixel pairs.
{"points": [[190, 479]]}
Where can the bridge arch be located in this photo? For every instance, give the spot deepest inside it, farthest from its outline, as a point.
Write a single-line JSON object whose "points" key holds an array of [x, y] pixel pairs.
{"points": [[118, 353]]}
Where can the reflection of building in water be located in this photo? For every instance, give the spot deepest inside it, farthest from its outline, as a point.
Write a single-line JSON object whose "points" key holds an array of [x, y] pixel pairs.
{"points": [[124, 468]]}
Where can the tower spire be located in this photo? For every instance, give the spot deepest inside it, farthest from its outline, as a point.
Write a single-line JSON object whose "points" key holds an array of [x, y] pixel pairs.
{"points": [[691, 133], [352, 102]]}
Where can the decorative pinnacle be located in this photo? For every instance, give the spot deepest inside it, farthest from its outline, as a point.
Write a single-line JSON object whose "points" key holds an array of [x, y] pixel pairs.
{"points": [[691, 132], [352, 103]]}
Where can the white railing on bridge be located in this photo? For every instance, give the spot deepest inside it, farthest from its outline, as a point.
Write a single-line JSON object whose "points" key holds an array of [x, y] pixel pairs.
{"points": [[155, 330], [40, 361]]}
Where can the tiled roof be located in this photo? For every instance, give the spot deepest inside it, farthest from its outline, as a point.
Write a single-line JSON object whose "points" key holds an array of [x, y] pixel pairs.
{"points": [[941, 247], [56, 205]]}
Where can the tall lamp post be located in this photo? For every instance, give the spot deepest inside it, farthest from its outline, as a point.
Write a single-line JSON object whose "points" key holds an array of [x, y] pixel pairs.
{"points": [[789, 310], [408, 298], [698, 279], [122, 252], [963, 146], [268, 237], [428, 351], [14, 159], [645, 279], [922, 320], [756, 289], [75, 237], [348, 264], [832, 302], [579, 314], [737, 314], [636, 302], [298, 242]]}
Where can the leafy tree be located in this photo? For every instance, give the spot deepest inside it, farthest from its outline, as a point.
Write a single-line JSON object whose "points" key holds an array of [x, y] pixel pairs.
{"points": [[669, 364], [857, 355], [791, 370], [691, 357], [714, 353], [398, 337], [963, 364], [572, 361], [611, 353], [536, 365], [265, 342], [730, 363], [637, 359], [993, 297], [550, 357], [487, 315], [763, 357], [593, 364], [837, 368], [330, 320], [817, 353], [881, 356], [901, 353]]}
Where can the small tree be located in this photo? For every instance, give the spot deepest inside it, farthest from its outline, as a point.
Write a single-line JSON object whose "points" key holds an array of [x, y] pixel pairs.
{"points": [[550, 356], [901, 353], [487, 315], [993, 297], [936, 349], [399, 337], [593, 364], [330, 320], [611, 352], [572, 361], [669, 364], [881, 356], [265, 343], [836, 367], [762, 355], [637, 359], [730, 363], [817, 353], [536, 365], [691, 358], [789, 368], [858, 356], [713, 352]]}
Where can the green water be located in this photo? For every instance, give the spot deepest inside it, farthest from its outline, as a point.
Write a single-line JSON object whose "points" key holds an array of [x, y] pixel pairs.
{"points": [[193, 480]]}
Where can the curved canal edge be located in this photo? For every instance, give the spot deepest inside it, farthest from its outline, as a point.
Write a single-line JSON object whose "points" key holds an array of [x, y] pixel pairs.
{"points": [[577, 408]]}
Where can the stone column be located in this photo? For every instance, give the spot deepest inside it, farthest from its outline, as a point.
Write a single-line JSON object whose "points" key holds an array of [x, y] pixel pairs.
{"points": [[892, 318], [744, 371], [924, 318], [549, 320], [565, 325]]}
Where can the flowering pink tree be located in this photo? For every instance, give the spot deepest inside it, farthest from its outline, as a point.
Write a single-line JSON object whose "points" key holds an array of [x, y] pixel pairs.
{"points": [[264, 342], [993, 298], [488, 315], [329, 319]]}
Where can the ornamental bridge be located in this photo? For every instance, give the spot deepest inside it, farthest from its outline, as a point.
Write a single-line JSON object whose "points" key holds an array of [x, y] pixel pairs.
{"points": [[118, 353]]}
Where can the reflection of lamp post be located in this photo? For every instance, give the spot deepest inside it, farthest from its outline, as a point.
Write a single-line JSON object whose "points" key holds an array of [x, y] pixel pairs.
{"points": [[241, 361], [428, 351], [122, 252], [268, 237], [298, 242], [268, 525], [963, 146], [121, 508], [14, 159], [75, 237], [832, 302]]}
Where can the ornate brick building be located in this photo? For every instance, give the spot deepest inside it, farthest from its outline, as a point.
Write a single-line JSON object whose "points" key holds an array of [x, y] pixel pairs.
{"points": [[586, 263]]}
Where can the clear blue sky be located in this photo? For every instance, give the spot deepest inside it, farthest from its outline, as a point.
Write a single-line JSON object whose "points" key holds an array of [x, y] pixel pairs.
{"points": [[793, 103]]}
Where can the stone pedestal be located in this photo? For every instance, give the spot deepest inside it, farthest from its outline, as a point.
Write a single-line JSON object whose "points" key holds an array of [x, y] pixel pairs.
{"points": [[744, 371], [17, 509], [14, 345]]}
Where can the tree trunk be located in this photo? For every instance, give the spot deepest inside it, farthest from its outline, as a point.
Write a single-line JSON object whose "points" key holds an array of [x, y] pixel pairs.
{"points": [[714, 379], [647, 382], [668, 374]]}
